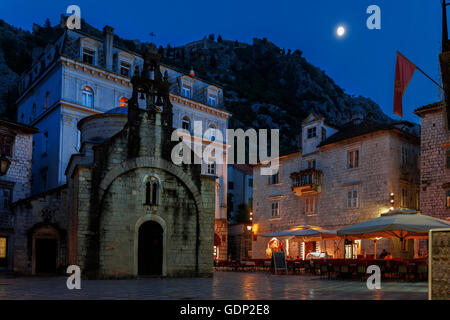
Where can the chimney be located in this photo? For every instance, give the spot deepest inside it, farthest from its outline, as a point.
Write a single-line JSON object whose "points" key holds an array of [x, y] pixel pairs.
{"points": [[108, 33]]}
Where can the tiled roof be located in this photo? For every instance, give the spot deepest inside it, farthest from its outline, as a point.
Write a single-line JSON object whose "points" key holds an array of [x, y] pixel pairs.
{"points": [[359, 128], [429, 107]]}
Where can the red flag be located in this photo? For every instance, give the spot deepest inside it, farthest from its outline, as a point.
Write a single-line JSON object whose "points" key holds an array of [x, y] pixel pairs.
{"points": [[404, 71]]}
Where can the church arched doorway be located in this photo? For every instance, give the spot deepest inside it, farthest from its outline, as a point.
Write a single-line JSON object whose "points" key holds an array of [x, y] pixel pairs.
{"points": [[150, 249]]}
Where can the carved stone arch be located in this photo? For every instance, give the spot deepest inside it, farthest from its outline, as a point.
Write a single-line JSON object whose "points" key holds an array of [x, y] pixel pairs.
{"points": [[139, 222], [150, 162], [149, 178]]}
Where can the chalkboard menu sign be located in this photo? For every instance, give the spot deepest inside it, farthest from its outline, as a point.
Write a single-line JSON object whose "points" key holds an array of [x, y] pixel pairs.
{"points": [[439, 264], [279, 261]]}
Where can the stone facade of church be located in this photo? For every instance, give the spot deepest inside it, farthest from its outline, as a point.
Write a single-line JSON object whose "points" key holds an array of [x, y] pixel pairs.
{"points": [[127, 210]]}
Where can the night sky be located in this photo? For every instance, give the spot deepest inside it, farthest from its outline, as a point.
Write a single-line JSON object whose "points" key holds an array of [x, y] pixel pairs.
{"points": [[362, 62]]}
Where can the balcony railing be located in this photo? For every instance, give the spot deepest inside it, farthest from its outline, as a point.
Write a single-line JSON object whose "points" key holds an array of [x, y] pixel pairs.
{"points": [[307, 181]]}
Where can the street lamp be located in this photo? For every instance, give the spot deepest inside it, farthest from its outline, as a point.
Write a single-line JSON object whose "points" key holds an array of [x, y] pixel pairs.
{"points": [[4, 165]]}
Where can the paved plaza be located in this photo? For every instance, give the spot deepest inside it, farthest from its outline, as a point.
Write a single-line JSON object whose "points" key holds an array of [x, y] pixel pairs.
{"points": [[224, 285]]}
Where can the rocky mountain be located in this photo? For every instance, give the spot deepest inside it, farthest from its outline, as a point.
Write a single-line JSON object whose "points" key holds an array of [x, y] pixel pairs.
{"points": [[265, 86]]}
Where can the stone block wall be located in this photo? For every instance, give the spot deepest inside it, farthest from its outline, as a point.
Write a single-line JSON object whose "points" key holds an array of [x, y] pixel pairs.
{"points": [[435, 176]]}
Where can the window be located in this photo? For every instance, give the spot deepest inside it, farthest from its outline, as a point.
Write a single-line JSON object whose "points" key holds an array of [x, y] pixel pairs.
{"points": [[47, 100], [230, 185], [404, 198], [353, 159], [275, 210], [5, 198], [88, 97], [310, 205], [186, 91], [186, 123], [311, 164], [212, 132], [6, 145], [447, 195], [274, 179], [212, 100], [324, 134], [404, 156], [448, 159], [250, 182], [45, 143], [88, 56], [211, 166], [125, 68], [123, 102], [352, 199], [250, 202], [311, 133], [152, 192], [44, 176], [3, 247]]}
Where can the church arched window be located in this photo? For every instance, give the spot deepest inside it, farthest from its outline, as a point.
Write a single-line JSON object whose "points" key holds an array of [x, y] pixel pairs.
{"points": [[152, 191]]}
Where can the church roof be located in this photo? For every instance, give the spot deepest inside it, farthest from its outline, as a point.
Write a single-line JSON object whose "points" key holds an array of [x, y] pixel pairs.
{"points": [[118, 110]]}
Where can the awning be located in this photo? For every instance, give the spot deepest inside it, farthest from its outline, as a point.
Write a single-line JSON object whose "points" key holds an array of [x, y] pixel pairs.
{"points": [[307, 234], [395, 224], [217, 241]]}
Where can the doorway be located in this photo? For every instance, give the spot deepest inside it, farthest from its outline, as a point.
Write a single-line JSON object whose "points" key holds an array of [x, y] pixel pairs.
{"points": [[150, 249], [46, 255]]}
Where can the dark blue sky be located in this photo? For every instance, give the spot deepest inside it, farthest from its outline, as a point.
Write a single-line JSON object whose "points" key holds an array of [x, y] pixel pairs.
{"points": [[362, 62]]}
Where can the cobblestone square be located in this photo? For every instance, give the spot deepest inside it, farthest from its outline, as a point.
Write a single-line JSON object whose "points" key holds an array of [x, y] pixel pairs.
{"points": [[223, 285]]}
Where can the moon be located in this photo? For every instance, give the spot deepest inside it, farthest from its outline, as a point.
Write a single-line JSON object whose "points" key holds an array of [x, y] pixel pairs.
{"points": [[340, 31]]}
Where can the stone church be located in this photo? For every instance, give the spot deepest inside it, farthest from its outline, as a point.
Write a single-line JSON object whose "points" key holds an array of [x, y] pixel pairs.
{"points": [[127, 210]]}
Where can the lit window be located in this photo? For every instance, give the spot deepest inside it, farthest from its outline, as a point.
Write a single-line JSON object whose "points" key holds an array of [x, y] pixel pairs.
{"points": [[125, 68], [311, 133], [123, 102], [186, 91], [88, 56], [275, 210], [212, 100], [88, 97], [352, 199], [309, 205], [5, 199], [3, 248], [353, 159], [186, 123]]}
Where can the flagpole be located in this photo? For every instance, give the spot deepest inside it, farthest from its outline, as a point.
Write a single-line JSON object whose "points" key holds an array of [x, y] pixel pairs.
{"points": [[426, 75]]}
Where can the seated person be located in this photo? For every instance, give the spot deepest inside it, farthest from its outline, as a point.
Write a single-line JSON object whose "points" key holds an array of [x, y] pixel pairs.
{"points": [[388, 256], [383, 254]]}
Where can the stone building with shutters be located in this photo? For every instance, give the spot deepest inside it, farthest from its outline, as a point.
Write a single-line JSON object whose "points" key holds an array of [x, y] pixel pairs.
{"points": [[127, 210], [15, 181], [340, 177]]}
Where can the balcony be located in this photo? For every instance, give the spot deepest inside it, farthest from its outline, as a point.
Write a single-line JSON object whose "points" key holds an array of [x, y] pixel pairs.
{"points": [[307, 182]]}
